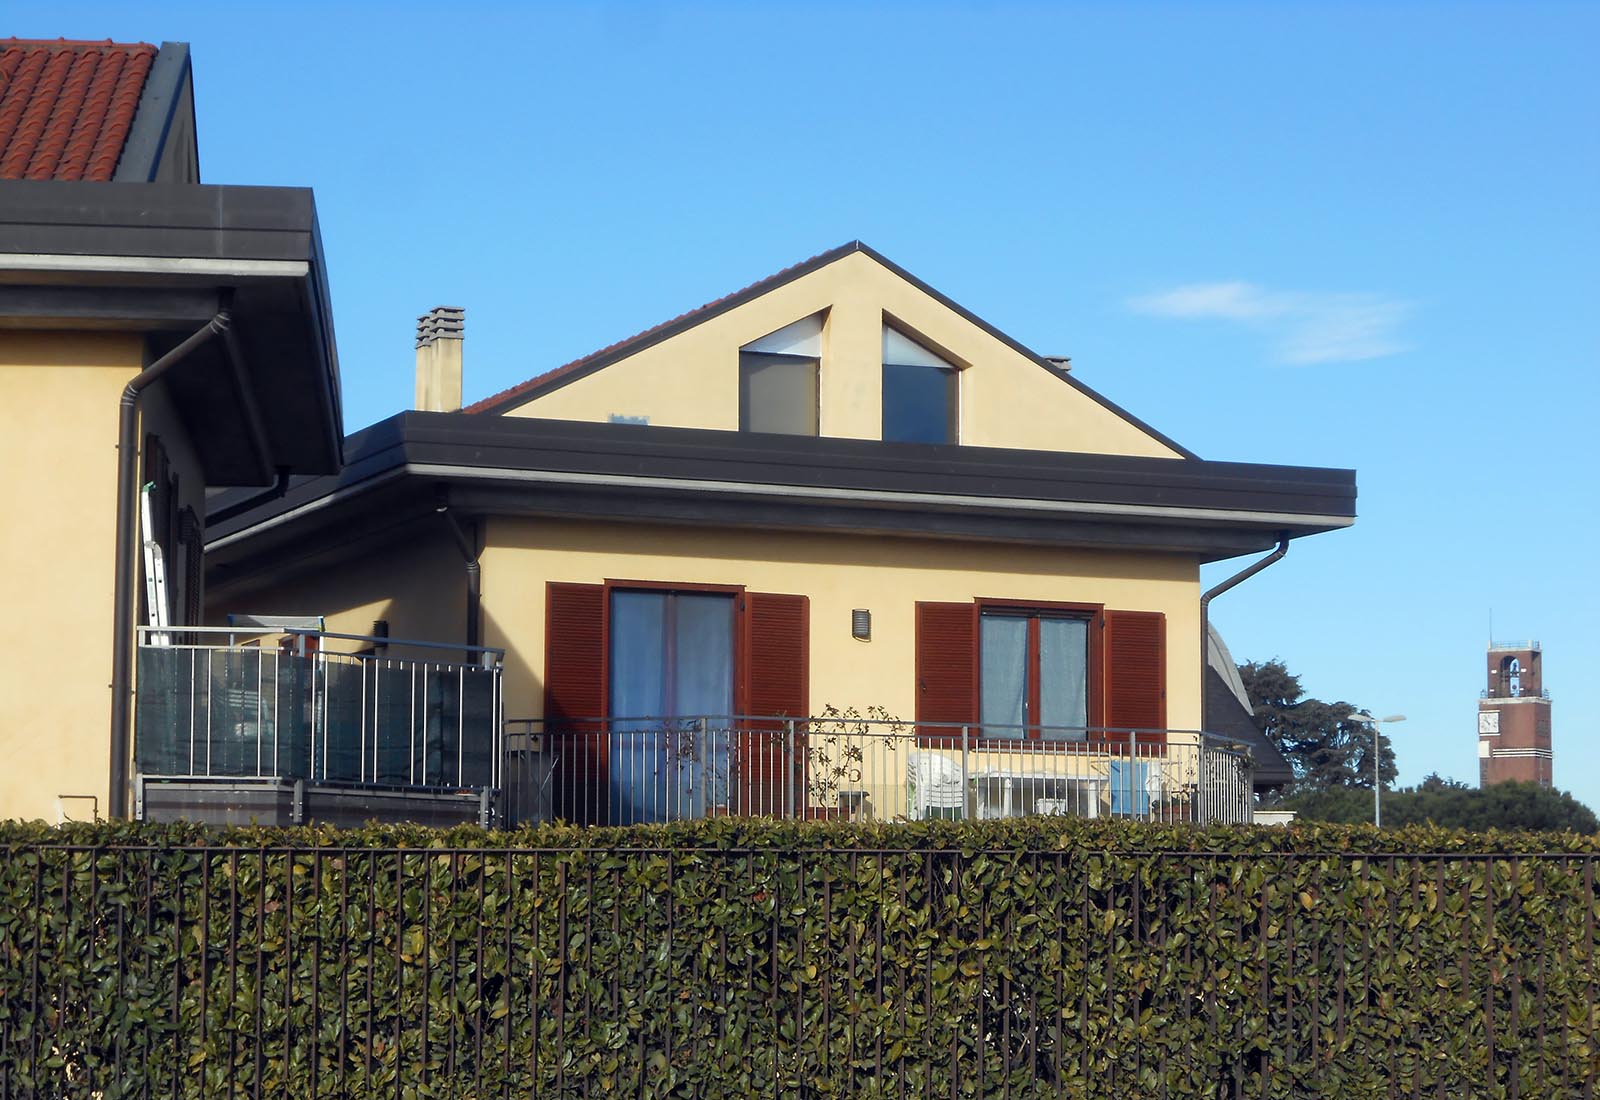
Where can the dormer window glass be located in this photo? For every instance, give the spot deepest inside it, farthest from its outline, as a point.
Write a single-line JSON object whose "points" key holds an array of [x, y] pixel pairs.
{"points": [[919, 392], [778, 380]]}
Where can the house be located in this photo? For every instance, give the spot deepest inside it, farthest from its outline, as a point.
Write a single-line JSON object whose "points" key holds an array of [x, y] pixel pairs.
{"points": [[832, 545], [159, 339]]}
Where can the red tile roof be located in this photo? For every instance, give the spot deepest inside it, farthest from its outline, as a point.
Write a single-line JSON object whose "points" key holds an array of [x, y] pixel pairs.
{"points": [[66, 107], [507, 399]]}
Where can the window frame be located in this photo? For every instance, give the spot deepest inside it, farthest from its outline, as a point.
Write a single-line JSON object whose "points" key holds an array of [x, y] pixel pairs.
{"points": [[777, 358], [737, 591], [1034, 610], [952, 372]]}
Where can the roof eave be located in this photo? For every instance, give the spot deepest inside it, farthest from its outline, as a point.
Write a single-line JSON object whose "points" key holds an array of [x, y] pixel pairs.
{"points": [[1212, 510], [157, 258]]}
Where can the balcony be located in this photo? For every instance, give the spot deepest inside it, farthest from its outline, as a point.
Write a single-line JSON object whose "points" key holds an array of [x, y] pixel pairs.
{"points": [[621, 771], [275, 727]]}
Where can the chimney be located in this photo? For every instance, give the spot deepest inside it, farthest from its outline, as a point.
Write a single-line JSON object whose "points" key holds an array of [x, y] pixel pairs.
{"points": [[439, 335]]}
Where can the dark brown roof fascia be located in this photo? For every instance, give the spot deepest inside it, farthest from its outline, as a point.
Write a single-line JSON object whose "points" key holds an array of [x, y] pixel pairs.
{"points": [[765, 463], [169, 220]]}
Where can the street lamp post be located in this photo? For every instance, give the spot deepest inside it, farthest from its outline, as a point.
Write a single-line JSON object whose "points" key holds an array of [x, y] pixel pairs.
{"points": [[1377, 760]]}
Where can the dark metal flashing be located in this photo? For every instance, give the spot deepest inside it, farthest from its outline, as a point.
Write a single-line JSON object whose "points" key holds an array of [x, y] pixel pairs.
{"points": [[560, 377], [54, 306], [158, 108], [159, 220]]}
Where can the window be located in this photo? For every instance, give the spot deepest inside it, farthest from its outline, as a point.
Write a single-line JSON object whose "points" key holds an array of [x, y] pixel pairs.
{"points": [[998, 663], [778, 380], [1034, 675], [919, 392], [635, 650]]}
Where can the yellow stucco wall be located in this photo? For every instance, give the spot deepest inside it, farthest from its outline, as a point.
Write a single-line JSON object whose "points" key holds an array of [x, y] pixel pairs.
{"points": [[692, 379], [58, 395], [838, 573], [417, 584]]}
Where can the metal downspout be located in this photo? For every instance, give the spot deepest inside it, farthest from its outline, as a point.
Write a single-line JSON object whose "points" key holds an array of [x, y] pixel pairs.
{"points": [[279, 489], [1205, 610], [469, 555], [122, 583], [247, 402]]}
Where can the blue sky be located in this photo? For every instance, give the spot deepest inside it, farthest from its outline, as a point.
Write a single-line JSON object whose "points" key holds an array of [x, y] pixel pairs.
{"points": [[1352, 235]]}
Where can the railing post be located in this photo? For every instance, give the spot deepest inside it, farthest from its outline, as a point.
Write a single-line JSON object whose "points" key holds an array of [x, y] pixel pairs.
{"points": [[788, 809], [1200, 814], [706, 756], [1132, 772], [966, 794]]}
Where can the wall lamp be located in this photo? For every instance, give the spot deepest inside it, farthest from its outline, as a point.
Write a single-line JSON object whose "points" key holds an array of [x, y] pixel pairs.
{"points": [[861, 624]]}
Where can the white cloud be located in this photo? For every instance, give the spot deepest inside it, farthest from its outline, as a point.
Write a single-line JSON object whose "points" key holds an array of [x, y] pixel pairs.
{"points": [[1304, 327]]}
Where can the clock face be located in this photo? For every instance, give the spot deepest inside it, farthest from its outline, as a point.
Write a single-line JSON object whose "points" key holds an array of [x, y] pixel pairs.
{"points": [[1488, 721]]}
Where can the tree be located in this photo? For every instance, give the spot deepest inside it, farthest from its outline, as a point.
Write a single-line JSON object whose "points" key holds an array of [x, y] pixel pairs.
{"points": [[1323, 746], [1454, 805]]}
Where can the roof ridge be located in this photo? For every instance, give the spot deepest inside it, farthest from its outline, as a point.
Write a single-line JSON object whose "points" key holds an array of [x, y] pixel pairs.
{"points": [[74, 43], [640, 340]]}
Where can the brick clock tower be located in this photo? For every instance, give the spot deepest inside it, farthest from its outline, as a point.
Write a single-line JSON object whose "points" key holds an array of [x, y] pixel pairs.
{"points": [[1514, 718]]}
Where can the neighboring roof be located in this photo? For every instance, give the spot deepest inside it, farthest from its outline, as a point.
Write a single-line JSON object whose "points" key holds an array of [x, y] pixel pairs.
{"points": [[163, 258], [570, 372], [1229, 713], [66, 108], [497, 465], [1218, 657]]}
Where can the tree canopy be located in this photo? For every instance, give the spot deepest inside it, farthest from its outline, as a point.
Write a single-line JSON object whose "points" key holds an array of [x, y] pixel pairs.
{"points": [[1323, 745], [1332, 760], [1453, 805]]}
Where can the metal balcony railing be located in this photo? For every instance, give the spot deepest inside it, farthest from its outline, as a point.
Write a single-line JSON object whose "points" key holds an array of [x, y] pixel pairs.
{"points": [[276, 705], [624, 771]]}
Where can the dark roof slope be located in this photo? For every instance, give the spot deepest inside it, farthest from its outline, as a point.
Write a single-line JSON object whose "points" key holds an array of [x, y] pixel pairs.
{"points": [[66, 107], [1227, 717]]}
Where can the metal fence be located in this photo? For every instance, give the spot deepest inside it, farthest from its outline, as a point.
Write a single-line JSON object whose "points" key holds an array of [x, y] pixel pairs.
{"points": [[366, 972], [625, 771], [257, 705]]}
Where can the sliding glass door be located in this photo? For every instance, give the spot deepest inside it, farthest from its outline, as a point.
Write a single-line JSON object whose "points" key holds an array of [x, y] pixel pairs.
{"points": [[671, 663]]}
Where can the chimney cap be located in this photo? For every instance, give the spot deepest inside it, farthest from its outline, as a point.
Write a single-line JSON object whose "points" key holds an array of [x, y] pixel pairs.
{"points": [[441, 323]]}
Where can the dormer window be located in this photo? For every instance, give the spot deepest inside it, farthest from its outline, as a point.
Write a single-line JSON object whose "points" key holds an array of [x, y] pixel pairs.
{"points": [[919, 392], [778, 380]]}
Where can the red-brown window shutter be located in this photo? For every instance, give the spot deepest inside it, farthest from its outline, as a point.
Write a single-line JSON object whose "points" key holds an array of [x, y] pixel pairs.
{"points": [[947, 665], [575, 689], [778, 663], [1135, 660], [779, 652]]}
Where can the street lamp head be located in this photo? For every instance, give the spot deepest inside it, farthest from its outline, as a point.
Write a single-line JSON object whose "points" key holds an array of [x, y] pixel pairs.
{"points": [[1366, 719]]}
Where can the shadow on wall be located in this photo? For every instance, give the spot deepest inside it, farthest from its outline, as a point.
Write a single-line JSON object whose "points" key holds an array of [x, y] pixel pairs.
{"points": [[523, 683], [830, 548]]}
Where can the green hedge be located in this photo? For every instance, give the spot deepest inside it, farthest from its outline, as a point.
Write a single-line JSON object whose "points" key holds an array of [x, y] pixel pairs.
{"points": [[1044, 957]]}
